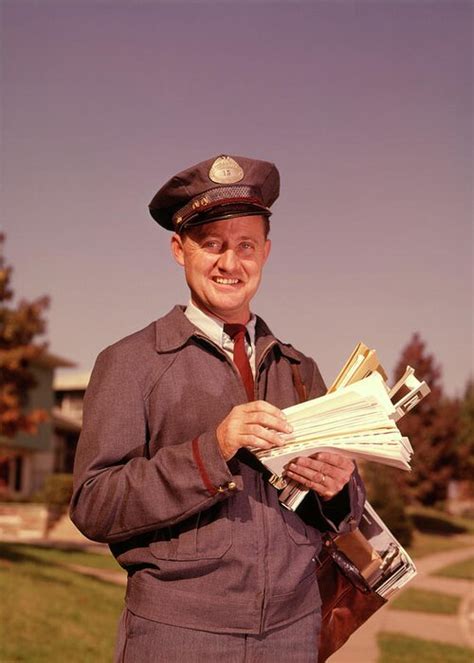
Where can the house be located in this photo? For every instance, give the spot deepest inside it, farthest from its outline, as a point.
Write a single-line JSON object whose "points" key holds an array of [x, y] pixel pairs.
{"points": [[69, 390], [27, 460]]}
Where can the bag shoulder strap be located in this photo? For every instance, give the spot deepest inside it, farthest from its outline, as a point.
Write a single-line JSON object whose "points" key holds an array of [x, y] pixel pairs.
{"points": [[300, 387]]}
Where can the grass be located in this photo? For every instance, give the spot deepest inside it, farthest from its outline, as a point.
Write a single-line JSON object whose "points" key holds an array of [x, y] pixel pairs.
{"points": [[463, 570], [428, 544], [62, 556], [49, 614], [395, 648], [421, 600]]}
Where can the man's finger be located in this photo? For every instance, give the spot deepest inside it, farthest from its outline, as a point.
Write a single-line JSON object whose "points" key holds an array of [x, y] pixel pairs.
{"points": [[312, 479], [267, 434], [312, 473], [263, 406], [268, 421], [254, 442], [338, 460], [313, 465]]}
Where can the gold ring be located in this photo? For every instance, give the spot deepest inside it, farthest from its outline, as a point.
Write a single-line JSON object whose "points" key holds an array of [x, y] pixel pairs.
{"points": [[323, 478]]}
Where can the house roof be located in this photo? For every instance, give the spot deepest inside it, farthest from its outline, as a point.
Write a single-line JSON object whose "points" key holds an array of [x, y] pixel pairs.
{"points": [[71, 381], [48, 360]]}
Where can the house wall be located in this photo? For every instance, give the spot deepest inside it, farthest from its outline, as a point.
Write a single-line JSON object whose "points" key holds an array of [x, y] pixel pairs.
{"points": [[32, 456], [41, 396]]}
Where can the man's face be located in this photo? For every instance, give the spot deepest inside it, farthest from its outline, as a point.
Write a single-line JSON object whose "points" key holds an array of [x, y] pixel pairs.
{"points": [[223, 263]]}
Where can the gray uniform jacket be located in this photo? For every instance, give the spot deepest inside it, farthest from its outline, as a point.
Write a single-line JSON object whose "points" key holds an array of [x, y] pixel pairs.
{"points": [[205, 542]]}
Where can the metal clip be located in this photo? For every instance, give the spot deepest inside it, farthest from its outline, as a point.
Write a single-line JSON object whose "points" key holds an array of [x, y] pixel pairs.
{"points": [[416, 392], [277, 482]]}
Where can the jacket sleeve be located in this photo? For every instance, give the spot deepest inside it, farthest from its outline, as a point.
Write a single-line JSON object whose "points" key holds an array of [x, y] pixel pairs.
{"points": [[119, 492], [343, 512]]}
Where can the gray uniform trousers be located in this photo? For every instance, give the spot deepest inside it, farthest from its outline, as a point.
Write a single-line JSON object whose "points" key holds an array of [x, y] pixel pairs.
{"points": [[144, 641]]}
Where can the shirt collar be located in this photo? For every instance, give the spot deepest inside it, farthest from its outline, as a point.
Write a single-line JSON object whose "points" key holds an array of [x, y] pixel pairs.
{"points": [[213, 327]]}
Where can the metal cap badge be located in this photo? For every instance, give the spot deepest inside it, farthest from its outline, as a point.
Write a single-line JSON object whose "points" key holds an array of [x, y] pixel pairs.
{"points": [[225, 170]]}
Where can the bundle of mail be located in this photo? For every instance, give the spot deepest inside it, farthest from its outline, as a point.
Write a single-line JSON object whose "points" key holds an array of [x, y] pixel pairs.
{"points": [[357, 417]]}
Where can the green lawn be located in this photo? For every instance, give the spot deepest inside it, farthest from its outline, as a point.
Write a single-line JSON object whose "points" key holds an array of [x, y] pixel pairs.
{"points": [[421, 600], [58, 556], [49, 614], [428, 544], [462, 570], [395, 648]]}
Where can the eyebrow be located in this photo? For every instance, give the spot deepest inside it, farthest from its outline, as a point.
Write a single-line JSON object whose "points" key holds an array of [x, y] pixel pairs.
{"points": [[220, 238]]}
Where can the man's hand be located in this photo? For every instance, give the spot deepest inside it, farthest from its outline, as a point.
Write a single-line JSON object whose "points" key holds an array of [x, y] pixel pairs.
{"points": [[326, 473], [254, 425]]}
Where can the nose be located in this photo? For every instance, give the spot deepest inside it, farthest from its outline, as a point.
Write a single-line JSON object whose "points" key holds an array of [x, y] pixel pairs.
{"points": [[228, 260]]}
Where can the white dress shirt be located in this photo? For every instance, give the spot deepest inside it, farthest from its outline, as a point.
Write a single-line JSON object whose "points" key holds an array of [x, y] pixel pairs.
{"points": [[213, 328]]}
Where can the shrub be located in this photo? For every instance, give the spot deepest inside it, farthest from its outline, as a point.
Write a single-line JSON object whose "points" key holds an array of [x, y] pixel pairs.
{"points": [[435, 523], [57, 491]]}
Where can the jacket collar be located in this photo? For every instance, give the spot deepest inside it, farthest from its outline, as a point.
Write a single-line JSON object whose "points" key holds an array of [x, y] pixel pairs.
{"points": [[265, 339], [174, 330]]}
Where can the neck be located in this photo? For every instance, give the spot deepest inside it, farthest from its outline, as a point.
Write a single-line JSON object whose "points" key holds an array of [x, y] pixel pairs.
{"points": [[241, 318]]}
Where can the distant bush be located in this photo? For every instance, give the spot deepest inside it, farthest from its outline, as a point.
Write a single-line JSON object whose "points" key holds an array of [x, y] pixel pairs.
{"points": [[57, 490], [467, 512], [431, 522], [386, 499], [15, 499]]}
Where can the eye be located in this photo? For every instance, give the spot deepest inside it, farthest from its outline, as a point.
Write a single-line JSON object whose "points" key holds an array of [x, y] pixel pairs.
{"points": [[211, 245], [247, 247]]}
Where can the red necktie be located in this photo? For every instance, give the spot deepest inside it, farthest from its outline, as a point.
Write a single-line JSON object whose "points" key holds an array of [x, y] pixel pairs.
{"points": [[241, 360]]}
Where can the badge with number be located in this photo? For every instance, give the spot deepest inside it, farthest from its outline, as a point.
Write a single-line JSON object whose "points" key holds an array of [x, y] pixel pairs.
{"points": [[225, 170]]}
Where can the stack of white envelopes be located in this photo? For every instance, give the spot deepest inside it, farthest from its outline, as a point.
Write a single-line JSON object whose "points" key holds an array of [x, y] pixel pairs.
{"points": [[357, 418], [357, 421]]}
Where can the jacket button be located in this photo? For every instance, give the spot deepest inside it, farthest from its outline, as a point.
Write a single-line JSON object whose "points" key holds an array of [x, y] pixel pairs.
{"points": [[231, 485]]}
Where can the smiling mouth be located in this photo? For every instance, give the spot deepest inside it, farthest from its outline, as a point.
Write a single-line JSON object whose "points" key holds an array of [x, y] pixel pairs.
{"points": [[223, 281]]}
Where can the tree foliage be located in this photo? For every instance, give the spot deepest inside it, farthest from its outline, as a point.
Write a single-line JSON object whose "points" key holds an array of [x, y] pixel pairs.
{"points": [[465, 441], [20, 325], [432, 427]]}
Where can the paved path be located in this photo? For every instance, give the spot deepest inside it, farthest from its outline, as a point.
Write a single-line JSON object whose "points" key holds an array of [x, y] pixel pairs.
{"points": [[107, 575], [458, 629]]}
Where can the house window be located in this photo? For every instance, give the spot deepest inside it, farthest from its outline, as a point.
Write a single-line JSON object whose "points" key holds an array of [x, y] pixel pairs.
{"points": [[18, 474], [4, 474]]}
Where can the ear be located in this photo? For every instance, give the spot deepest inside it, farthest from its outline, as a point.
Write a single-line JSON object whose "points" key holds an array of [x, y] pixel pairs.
{"points": [[267, 249], [177, 249]]}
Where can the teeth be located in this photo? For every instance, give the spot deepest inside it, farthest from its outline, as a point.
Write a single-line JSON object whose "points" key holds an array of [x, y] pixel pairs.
{"points": [[226, 281]]}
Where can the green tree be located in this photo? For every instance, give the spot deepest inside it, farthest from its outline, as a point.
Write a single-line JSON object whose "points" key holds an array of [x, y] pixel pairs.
{"points": [[20, 325], [465, 441], [432, 427]]}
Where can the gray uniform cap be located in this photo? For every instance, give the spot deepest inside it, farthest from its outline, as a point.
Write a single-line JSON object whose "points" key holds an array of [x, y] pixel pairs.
{"points": [[219, 188]]}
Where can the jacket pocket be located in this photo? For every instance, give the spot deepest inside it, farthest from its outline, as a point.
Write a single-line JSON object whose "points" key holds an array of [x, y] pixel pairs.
{"points": [[206, 535], [299, 532]]}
